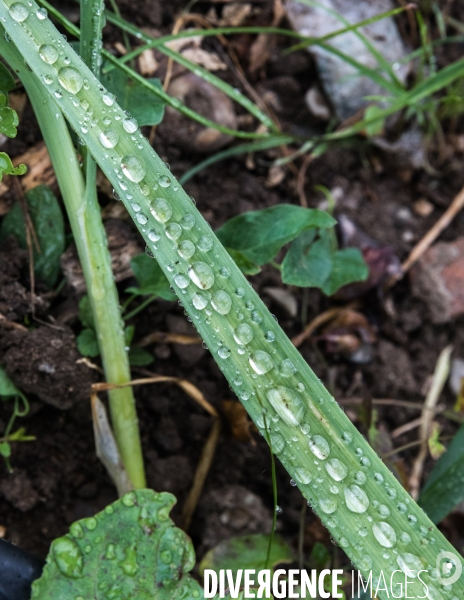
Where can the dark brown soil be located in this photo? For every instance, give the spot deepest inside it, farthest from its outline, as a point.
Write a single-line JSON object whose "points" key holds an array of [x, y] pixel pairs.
{"points": [[57, 479]]}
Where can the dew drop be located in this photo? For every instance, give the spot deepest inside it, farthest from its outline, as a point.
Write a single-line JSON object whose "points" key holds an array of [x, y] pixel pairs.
{"points": [[384, 534], [279, 510], [205, 243], [68, 557], [319, 446], [130, 125], [261, 362], [19, 12], [108, 138], [90, 523], [181, 280], [347, 437], [187, 222], [239, 292], [48, 53], [277, 442], [287, 368], [186, 249], [164, 181], [141, 218], [224, 352], [356, 499], [48, 79], [161, 210], [108, 98], [360, 477], [70, 79], [41, 14], [221, 302], [287, 405], [133, 167], [243, 334], [405, 538], [409, 564], [154, 235], [173, 231], [328, 505], [129, 499], [76, 531], [199, 300], [201, 275], [336, 469], [269, 336]]}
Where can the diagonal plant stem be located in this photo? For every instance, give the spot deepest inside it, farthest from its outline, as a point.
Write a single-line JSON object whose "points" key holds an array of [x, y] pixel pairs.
{"points": [[365, 508]]}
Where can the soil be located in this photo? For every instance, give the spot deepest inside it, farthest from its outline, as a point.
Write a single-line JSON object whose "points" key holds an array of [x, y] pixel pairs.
{"points": [[57, 478]]}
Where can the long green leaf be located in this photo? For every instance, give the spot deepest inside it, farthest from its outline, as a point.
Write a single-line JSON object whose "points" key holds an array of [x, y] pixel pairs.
{"points": [[365, 508]]}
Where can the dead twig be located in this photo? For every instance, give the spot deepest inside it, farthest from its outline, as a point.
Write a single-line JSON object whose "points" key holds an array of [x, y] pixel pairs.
{"points": [[202, 470], [424, 244], [160, 337], [439, 378]]}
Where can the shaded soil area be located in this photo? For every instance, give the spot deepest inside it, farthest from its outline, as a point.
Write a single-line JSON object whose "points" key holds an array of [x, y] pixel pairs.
{"points": [[57, 479]]}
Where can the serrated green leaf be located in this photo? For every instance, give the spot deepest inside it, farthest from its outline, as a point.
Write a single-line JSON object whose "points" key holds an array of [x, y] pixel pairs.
{"points": [[138, 357], [7, 387], [48, 223], [260, 234], [247, 552], [129, 550], [348, 266], [246, 266], [7, 168], [150, 278], [144, 106], [87, 343], [444, 489], [308, 263]]}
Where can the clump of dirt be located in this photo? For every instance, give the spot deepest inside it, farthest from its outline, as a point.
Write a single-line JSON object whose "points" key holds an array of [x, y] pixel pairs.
{"points": [[45, 362]]}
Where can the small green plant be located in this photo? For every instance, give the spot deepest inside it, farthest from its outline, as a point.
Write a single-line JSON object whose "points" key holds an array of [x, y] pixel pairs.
{"points": [[366, 509]]}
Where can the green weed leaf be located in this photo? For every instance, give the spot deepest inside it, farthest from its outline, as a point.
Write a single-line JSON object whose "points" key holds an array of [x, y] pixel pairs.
{"points": [[308, 263], [260, 234], [7, 81], [87, 343], [7, 168], [150, 278], [247, 552], [246, 266], [145, 107], [7, 387], [8, 118], [348, 266], [129, 550], [444, 489], [85, 312], [48, 223], [5, 449], [138, 357]]}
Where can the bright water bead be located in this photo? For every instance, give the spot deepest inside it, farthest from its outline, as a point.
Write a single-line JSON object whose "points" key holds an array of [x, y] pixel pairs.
{"points": [[48, 53], [133, 167], [201, 275]]}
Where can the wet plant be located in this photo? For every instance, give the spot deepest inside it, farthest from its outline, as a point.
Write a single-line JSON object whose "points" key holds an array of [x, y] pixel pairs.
{"points": [[368, 512]]}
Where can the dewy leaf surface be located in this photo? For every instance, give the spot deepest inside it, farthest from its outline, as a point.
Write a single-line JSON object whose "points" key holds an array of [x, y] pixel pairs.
{"points": [[260, 234], [129, 550]]}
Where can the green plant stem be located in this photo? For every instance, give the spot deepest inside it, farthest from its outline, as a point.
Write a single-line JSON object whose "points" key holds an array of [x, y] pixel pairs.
{"points": [[90, 238], [366, 509], [141, 306]]}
